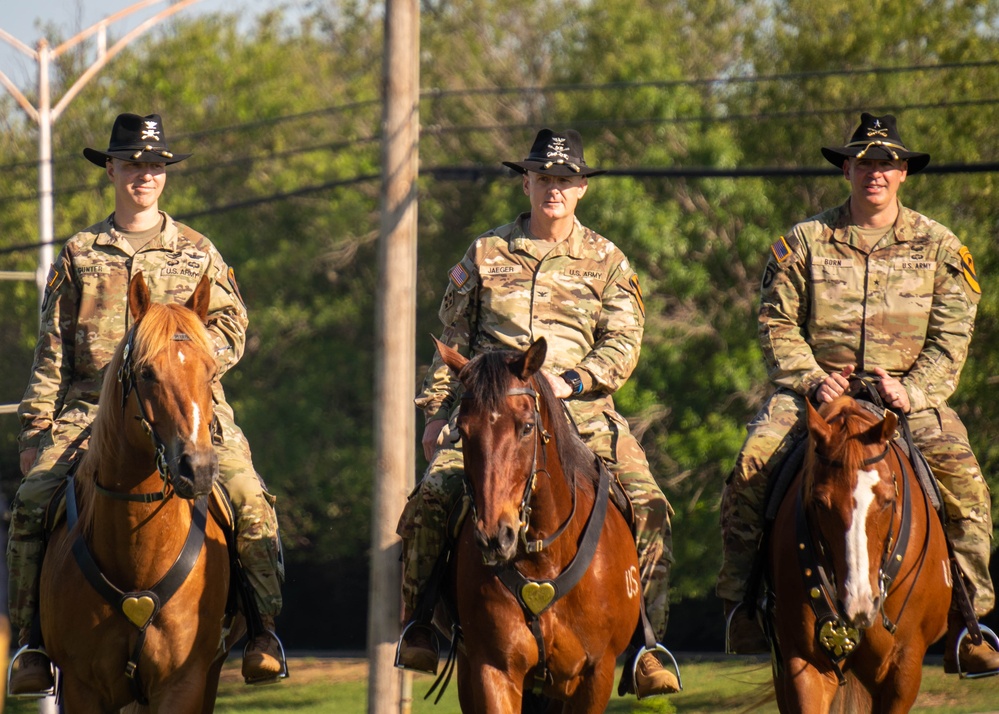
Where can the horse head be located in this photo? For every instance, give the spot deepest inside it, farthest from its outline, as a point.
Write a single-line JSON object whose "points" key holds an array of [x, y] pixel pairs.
{"points": [[503, 440], [167, 363], [850, 497]]}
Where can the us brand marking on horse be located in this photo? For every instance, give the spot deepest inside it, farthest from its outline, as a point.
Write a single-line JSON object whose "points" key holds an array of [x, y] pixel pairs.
{"points": [[631, 582]]}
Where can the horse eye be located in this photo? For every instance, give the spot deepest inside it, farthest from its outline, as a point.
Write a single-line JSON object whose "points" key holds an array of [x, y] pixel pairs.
{"points": [[527, 429], [147, 374]]}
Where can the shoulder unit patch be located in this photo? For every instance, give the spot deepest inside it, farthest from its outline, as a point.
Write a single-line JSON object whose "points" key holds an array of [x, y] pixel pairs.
{"points": [[968, 267], [638, 293]]}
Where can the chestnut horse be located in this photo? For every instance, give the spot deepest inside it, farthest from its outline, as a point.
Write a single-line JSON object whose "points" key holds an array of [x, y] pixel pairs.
{"points": [[533, 616], [860, 574], [133, 596]]}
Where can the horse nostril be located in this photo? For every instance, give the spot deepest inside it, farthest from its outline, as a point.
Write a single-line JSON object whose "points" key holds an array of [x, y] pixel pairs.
{"points": [[507, 537]]}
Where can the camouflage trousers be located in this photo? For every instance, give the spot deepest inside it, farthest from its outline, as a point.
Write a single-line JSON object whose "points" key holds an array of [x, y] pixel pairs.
{"points": [[940, 436], [257, 537], [423, 524]]}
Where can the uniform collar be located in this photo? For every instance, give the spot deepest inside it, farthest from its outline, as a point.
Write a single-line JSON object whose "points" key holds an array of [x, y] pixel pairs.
{"points": [[521, 240], [842, 225], [166, 240]]}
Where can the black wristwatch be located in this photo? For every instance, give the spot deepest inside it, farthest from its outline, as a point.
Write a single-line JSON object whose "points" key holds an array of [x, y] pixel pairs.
{"points": [[572, 378]]}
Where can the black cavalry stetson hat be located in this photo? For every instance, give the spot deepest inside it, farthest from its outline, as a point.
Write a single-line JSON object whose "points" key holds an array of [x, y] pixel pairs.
{"points": [[558, 153], [876, 138], [135, 138]]}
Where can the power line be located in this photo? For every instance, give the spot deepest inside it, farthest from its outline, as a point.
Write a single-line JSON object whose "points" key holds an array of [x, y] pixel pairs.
{"points": [[479, 172], [568, 88], [432, 130], [738, 79]]}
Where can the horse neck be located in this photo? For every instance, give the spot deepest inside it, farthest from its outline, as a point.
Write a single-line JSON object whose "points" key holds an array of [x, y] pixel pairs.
{"points": [[135, 542]]}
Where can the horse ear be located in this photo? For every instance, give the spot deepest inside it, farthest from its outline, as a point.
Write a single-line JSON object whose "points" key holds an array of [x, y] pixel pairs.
{"points": [[138, 296], [452, 358], [200, 299], [884, 430], [889, 425], [532, 360], [818, 427]]}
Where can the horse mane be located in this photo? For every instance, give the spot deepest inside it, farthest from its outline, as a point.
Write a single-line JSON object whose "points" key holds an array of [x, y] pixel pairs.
{"points": [[154, 333], [488, 378], [848, 419]]}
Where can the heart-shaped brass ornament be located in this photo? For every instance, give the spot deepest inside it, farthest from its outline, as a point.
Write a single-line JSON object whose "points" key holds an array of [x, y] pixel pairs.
{"points": [[537, 596], [138, 610]]}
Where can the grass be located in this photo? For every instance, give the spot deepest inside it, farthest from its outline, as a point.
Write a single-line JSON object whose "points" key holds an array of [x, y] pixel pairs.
{"points": [[712, 685]]}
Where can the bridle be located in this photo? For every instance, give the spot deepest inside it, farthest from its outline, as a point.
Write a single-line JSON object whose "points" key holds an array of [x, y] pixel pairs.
{"points": [[837, 638], [535, 596], [541, 440], [129, 384]]}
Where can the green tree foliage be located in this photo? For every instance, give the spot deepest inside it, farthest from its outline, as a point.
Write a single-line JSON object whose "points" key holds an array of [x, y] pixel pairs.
{"points": [[284, 123]]}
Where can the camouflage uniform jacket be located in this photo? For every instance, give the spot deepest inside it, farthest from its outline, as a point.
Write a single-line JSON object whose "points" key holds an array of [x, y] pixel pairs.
{"points": [[85, 316], [583, 297], [908, 306]]}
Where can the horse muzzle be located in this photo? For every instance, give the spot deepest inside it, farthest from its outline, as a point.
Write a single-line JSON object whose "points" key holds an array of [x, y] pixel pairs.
{"points": [[193, 474], [499, 546]]}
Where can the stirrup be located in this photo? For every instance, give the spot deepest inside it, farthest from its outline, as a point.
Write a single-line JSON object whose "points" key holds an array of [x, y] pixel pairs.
{"points": [[50, 692], [402, 636], [957, 652], [658, 648], [283, 674], [728, 627]]}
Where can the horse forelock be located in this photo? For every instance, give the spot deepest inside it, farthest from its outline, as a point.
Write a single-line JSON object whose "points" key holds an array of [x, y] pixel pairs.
{"points": [[488, 379], [847, 419], [159, 329]]}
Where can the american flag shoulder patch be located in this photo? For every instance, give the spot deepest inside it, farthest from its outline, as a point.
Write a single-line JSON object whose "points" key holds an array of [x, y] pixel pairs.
{"points": [[458, 275], [780, 249]]}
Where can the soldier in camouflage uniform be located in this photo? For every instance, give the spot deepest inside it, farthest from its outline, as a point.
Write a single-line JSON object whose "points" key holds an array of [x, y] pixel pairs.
{"points": [[544, 275], [84, 317], [868, 286]]}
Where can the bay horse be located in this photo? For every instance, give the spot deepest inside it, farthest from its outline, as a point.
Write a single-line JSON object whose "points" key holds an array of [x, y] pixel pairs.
{"points": [[545, 603], [859, 570], [133, 596]]}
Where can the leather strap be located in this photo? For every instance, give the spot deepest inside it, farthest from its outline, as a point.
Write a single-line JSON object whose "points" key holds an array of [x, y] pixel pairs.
{"points": [[515, 581], [159, 594]]}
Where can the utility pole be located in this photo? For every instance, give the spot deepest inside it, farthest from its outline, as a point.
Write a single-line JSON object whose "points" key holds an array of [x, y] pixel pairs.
{"points": [[395, 348], [45, 114]]}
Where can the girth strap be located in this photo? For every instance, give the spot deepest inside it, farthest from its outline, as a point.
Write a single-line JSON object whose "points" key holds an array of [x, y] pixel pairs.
{"points": [[536, 596], [139, 607]]}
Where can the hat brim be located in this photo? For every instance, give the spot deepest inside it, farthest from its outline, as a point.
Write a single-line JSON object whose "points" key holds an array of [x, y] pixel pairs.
{"points": [[552, 169], [100, 158], [836, 155]]}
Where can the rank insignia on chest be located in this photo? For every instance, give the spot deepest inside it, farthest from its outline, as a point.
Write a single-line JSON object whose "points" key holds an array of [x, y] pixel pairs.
{"points": [[968, 267], [780, 249], [458, 275]]}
